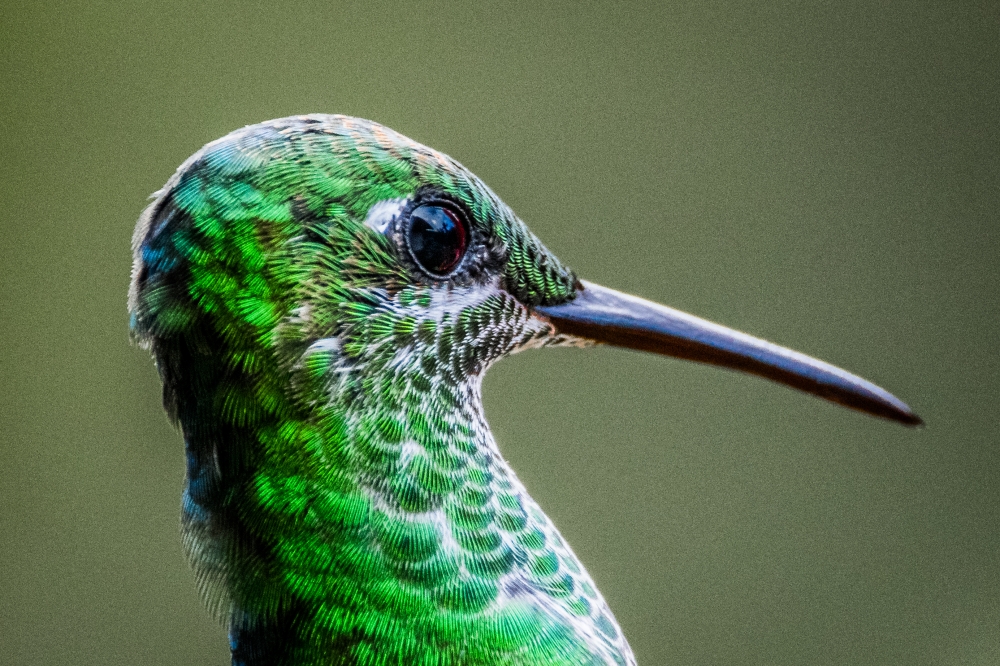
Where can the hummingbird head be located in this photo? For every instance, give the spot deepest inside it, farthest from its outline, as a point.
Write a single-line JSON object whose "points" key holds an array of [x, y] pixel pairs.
{"points": [[330, 250], [322, 297]]}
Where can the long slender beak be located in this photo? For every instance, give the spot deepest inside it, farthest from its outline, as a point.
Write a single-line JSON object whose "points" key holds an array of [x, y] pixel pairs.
{"points": [[611, 317]]}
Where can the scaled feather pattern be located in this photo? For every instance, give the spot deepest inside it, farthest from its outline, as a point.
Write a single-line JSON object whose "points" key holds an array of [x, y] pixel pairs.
{"points": [[345, 501]]}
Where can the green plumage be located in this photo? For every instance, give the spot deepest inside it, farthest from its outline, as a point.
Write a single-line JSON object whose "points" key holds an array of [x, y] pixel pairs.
{"points": [[345, 501]]}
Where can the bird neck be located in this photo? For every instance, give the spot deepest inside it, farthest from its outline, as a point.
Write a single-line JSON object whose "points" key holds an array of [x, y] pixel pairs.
{"points": [[352, 474], [348, 496]]}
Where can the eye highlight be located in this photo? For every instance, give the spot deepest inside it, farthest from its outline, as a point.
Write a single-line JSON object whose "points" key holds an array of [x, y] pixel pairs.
{"points": [[437, 237]]}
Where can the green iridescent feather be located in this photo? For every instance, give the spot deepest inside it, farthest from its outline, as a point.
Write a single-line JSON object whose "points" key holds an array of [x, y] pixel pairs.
{"points": [[345, 501]]}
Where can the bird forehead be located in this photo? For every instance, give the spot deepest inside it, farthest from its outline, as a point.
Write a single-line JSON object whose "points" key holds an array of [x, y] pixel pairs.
{"points": [[362, 151], [322, 165]]}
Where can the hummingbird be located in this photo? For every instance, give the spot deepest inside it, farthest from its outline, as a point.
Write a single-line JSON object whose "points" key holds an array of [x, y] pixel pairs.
{"points": [[322, 297]]}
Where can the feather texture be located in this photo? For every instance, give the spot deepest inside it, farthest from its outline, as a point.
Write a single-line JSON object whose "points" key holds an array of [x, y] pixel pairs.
{"points": [[345, 501]]}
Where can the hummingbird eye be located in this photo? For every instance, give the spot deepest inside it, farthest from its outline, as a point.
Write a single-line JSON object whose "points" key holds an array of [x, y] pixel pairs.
{"points": [[437, 237]]}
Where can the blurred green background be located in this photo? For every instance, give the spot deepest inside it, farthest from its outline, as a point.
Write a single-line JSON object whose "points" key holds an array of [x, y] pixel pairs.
{"points": [[821, 174]]}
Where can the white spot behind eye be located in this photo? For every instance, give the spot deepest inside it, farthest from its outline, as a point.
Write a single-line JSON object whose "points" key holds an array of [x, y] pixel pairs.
{"points": [[381, 214]]}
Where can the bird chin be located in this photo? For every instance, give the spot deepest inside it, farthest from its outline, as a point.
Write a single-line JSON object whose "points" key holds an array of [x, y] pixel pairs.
{"points": [[553, 340]]}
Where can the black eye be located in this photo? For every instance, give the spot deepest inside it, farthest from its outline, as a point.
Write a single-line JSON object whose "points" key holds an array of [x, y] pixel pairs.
{"points": [[437, 238]]}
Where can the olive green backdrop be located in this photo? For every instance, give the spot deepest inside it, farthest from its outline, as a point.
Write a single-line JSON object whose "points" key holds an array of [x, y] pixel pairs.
{"points": [[821, 174]]}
